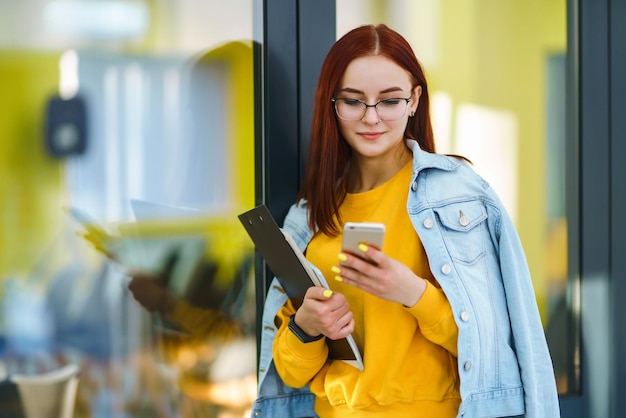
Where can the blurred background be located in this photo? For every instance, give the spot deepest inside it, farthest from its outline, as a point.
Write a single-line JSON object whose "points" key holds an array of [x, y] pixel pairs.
{"points": [[127, 148]]}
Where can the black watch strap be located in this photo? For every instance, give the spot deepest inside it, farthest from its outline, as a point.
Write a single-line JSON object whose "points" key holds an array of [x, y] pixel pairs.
{"points": [[302, 336]]}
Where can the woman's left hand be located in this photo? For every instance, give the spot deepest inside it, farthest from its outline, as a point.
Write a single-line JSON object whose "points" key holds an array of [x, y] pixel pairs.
{"points": [[382, 276]]}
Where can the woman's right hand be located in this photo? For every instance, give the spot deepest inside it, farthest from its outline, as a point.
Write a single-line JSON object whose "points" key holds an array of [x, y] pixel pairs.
{"points": [[149, 290], [325, 312]]}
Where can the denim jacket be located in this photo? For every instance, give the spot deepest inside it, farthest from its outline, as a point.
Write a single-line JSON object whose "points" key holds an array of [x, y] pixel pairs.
{"points": [[475, 254]]}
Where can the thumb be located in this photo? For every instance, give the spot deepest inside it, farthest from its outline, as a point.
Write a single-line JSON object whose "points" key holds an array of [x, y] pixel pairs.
{"points": [[319, 293]]}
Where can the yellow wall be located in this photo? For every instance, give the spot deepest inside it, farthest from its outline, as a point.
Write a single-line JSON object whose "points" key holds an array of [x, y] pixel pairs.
{"points": [[494, 53], [30, 181]]}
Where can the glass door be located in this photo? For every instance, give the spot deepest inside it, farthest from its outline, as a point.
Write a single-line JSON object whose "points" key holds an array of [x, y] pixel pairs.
{"points": [[126, 152]]}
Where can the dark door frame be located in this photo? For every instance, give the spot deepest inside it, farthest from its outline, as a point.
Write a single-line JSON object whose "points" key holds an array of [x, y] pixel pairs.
{"points": [[617, 97], [296, 35]]}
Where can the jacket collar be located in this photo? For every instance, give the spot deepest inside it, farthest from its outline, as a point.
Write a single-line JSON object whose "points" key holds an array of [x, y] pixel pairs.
{"points": [[423, 159]]}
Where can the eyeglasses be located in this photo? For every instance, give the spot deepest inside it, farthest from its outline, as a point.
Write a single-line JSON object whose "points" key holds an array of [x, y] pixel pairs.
{"points": [[387, 109]]}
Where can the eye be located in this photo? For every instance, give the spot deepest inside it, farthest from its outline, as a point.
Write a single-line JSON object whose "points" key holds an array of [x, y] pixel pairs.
{"points": [[390, 102], [352, 102]]}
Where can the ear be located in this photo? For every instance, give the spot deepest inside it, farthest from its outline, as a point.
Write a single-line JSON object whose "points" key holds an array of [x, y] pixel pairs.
{"points": [[417, 93]]}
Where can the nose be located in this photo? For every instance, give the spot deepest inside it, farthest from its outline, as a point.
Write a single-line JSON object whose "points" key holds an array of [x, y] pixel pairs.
{"points": [[371, 115]]}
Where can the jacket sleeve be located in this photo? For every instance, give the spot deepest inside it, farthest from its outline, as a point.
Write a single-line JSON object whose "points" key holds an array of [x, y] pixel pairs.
{"points": [[540, 394]]}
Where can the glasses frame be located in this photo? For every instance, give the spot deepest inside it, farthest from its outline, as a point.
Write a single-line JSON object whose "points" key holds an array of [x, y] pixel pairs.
{"points": [[375, 106]]}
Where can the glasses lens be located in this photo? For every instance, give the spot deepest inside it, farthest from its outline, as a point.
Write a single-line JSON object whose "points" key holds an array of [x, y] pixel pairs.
{"points": [[349, 109], [391, 109]]}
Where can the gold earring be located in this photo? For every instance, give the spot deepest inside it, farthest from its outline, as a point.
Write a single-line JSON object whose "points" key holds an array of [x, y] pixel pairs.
{"points": [[411, 114]]}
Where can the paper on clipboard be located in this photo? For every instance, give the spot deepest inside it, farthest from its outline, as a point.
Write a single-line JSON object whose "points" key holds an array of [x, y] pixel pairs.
{"points": [[293, 271]]}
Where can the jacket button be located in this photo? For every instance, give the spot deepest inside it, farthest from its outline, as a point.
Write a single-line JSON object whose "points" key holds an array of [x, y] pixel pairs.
{"points": [[464, 316], [428, 223], [446, 269], [414, 186], [463, 220], [467, 366]]}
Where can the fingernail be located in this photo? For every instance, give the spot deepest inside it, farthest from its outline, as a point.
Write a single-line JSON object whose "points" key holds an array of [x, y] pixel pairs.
{"points": [[342, 257], [339, 278], [328, 293], [362, 247], [335, 269]]}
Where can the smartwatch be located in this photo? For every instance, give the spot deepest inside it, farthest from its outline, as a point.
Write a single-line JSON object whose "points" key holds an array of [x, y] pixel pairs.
{"points": [[302, 336]]}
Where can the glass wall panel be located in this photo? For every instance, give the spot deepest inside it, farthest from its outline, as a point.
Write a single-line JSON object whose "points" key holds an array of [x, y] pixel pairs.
{"points": [[497, 74], [126, 152]]}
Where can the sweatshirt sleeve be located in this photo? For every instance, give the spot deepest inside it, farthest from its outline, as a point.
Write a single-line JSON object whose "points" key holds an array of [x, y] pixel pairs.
{"points": [[435, 318], [202, 323], [296, 362]]}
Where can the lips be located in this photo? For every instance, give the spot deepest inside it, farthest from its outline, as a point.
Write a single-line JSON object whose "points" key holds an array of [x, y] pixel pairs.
{"points": [[371, 136]]}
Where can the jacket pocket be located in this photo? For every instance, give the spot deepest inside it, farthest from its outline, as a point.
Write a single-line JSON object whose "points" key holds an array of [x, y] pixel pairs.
{"points": [[464, 229]]}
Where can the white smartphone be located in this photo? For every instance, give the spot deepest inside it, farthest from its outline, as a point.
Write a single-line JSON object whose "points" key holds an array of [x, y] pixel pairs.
{"points": [[354, 233]]}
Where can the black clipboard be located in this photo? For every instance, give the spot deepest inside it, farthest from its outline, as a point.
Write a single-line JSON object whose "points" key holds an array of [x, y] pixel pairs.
{"points": [[293, 271], [277, 248]]}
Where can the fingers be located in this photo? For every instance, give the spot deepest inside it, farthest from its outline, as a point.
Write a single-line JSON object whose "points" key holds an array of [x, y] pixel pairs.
{"points": [[325, 312], [368, 259], [326, 303], [388, 279], [373, 254], [357, 272], [334, 325], [341, 328]]}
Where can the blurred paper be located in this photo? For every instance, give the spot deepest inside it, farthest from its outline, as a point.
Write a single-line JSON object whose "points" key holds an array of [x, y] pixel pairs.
{"points": [[145, 210]]}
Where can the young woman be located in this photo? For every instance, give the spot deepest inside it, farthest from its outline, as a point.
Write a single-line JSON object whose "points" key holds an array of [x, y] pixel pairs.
{"points": [[444, 314]]}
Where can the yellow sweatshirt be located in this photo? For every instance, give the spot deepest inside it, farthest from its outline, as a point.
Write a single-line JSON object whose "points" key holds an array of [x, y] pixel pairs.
{"points": [[409, 353]]}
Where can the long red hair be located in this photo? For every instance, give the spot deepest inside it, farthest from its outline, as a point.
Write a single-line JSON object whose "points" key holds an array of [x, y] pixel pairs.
{"points": [[329, 153]]}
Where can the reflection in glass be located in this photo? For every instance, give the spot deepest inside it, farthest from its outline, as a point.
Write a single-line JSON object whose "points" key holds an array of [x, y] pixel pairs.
{"points": [[120, 250]]}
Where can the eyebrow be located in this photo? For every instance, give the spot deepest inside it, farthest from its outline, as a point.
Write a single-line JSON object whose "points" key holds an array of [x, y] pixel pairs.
{"points": [[356, 91]]}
